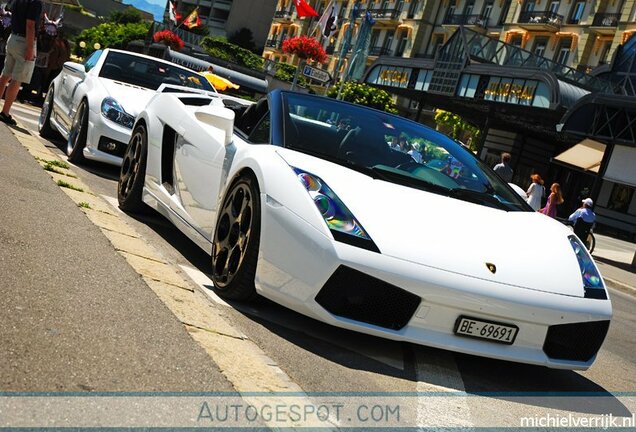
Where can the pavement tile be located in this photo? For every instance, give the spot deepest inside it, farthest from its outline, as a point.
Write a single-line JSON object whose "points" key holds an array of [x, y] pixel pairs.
{"points": [[95, 203], [111, 223], [133, 246], [156, 271]]}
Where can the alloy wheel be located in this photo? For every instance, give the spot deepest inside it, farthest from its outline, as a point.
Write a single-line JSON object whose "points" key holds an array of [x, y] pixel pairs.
{"points": [[232, 235], [130, 165]]}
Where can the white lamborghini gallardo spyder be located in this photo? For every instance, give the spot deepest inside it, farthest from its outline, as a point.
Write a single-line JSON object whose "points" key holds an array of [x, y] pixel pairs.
{"points": [[307, 201]]}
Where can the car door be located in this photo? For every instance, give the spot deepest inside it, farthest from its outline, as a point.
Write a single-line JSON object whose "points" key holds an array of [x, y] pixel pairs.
{"points": [[201, 164], [70, 79]]}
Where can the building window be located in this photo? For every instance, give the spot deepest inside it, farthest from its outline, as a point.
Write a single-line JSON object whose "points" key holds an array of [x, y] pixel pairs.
{"points": [[516, 40], [554, 6], [468, 9], [413, 8], [604, 57], [577, 12], [620, 198], [539, 47], [563, 53], [504, 12], [529, 6], [402, 42], [487, 10], [451, 8]]}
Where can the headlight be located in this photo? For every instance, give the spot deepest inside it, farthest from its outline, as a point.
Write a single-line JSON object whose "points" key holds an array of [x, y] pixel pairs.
{"points": [[114, 112], [592, 282], [343, 225]]}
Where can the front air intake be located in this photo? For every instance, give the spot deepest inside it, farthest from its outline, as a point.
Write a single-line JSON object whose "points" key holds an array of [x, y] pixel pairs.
{"points": [[352, 294], [577, 342]]}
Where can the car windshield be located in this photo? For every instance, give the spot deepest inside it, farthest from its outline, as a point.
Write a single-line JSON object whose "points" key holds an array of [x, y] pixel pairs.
{"points": [[393, 149], [149, 73]]}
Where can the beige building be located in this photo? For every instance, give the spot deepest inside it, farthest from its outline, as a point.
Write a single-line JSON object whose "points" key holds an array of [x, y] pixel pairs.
{"points": [[580, 34]]}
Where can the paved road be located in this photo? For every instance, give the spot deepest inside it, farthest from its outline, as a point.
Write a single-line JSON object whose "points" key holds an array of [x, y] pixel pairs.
{"points": [[321, 358]]}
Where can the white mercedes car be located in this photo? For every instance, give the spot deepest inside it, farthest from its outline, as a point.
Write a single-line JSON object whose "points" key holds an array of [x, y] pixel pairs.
{"points": [[302, 199], [93, 105]]}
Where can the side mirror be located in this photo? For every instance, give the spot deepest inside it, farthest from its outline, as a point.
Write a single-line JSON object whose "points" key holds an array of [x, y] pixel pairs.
{"points": [[218, 117], [75, 68]]}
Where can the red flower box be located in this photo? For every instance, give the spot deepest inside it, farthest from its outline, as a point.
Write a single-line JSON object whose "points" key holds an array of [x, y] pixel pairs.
{"points": [[306, 48], [168, 38]]}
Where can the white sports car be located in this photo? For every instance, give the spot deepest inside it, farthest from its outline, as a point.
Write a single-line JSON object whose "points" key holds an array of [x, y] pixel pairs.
{"points": [[93, 105], [302, 199]]}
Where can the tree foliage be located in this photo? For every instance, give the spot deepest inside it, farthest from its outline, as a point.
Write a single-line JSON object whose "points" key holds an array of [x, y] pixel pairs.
{"points": [[243, 38], [286, 71], [110, 35], [128, 15], [456, 127], [364, 94]]}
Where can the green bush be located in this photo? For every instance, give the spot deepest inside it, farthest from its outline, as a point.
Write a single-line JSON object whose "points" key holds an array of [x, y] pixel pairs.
{"points": [[456, 127], [220, 48], [286, 71], [364, 94], [110, 35], [129, 15]]}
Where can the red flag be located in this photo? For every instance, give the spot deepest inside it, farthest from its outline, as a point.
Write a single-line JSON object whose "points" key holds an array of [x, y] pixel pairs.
{"points": [[303, 9]]}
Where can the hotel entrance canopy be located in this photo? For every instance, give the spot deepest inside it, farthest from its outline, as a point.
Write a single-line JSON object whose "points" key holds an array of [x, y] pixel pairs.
{"points": [[481, 78]]}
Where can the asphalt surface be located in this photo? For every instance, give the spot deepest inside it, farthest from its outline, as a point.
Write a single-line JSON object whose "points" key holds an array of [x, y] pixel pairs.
{"points": [[317, 357], [74, 315]]}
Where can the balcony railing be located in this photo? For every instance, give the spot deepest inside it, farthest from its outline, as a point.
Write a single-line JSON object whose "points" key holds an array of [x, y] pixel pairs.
{"points": [[606, 19], [273, 43], [541, 17], [283, 14], [470, 20], [380, 14], [378, 51]]}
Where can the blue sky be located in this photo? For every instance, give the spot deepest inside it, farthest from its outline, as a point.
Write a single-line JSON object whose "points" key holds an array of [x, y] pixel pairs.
{"points": [[155, 7]]}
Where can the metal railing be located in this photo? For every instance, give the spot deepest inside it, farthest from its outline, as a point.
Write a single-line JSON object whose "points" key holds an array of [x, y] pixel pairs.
{"points": [[541, 17], [388, 13], [460, 19], [378, 51], [273, 43], [606, 19], [283, 14], [189, 38]]}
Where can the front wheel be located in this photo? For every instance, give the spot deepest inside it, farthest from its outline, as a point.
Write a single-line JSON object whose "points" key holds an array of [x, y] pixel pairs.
{"points": [[133, 172], [236, 241], [77, 136], [44, 122]]}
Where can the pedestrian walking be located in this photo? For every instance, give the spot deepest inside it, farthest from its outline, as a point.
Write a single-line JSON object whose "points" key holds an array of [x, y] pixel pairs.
{"points": [[503, 168], [555, 199], [19, 62], [535, 192]]}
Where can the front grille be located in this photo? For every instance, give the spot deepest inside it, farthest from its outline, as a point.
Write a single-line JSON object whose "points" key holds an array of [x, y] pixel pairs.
{"points": [[352, 294], [578, 341], [111, 146]]}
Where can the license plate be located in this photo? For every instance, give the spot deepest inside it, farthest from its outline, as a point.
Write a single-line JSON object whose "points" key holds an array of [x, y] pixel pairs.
{"points": [[492, 331]]}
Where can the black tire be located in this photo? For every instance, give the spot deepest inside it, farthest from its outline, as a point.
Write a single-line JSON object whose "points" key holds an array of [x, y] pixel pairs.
{"points": [[44, 121], [236, 241], [77, 136], [133, 172]]}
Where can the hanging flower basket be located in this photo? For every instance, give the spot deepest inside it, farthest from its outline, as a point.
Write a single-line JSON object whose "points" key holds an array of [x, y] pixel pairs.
{"points": [[305, 48], [168, 38]]}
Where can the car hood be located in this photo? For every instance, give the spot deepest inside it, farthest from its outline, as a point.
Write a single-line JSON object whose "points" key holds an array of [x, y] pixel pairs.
{"points": [[132, 98], [529, 250]]}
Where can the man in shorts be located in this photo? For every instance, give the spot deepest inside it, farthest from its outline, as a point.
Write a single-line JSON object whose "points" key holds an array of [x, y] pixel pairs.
{"points": [[21, 51]]}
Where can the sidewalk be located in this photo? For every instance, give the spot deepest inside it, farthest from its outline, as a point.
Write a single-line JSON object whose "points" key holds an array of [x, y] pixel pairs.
{"points": [[616, 268], [75, 316]]}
